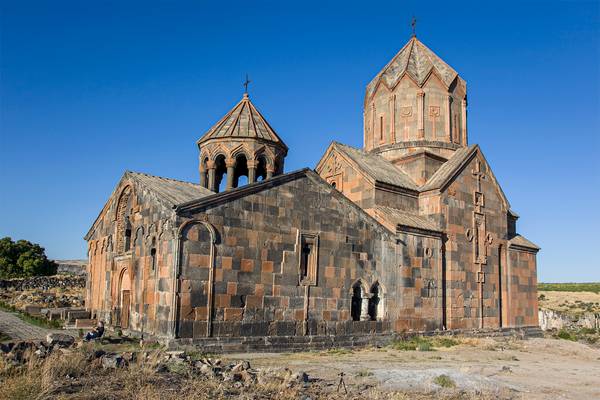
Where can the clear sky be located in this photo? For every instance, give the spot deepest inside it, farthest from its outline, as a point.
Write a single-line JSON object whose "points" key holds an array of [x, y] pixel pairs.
{"points": [[90, 90]]}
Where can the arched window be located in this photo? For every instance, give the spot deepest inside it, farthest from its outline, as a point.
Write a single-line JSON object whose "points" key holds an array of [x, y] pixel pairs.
{"points": [[374, 302], [153, 254], [241, 171], [123, 222], [261, 169], [220, 173], [127, 244], [204, 172], [356, 306]]}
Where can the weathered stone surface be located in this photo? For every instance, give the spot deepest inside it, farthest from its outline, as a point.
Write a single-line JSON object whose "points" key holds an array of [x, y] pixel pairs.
{"points": [[412, 232], [59, 339]]}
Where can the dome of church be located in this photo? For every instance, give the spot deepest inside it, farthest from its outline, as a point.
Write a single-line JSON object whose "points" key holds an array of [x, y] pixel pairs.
{"points": [[416, 103], [416, 60]]}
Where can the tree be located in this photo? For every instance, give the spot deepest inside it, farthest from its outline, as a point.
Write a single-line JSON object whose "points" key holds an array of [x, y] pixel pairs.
{"points": [[23, 258]]}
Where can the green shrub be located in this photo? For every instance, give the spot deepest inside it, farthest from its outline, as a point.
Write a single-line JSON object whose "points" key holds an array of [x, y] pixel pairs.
{"points": [[566, 335], [444, 381], [414, 343], [23, 259], [445, 342], [570, 287], [424, 346]]}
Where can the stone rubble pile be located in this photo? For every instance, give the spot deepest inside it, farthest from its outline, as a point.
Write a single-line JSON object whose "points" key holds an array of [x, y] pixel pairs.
{"points": [[20, 352], [238, 374], [43, 282]]}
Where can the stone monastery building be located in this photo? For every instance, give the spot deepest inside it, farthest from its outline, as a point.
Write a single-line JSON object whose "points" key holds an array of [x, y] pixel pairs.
{"points": [[411, 232]]}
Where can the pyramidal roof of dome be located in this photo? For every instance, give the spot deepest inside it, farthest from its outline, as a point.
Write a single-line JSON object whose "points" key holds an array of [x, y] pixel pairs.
{"points": [[243, 121], [416, 60]]}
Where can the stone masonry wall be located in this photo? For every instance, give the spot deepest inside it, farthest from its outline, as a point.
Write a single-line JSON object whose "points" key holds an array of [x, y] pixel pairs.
{"points": [[468, 278], [112, 272], [522, 290], [258, 290]]}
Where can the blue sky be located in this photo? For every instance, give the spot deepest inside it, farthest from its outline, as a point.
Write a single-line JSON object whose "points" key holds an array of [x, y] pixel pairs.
{"points": [[90, 89]]}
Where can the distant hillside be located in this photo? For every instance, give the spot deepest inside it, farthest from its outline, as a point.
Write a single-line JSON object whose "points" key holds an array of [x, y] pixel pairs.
{"points": [[593, 287]]}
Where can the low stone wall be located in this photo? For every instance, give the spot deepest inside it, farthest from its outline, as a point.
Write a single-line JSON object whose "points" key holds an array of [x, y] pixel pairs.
{"points": [[71, 268], [550, 319], [43, 282], [276, 344]]}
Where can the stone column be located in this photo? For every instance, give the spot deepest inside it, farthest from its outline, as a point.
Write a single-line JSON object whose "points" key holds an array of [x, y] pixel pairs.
{"points": [[449, 118], [393, 119], [270, 171], [203, 177], [230, 163], [364, 308], [252, 164], [211, 175], [421, 115], [464, 122]]}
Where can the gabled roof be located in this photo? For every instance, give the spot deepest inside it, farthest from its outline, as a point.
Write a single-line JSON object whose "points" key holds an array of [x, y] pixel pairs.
{"points": [[170, 190], [416, 60], [401, 218], [243, 121], [521, 241], [449, 168], [461, 157], [257, 187], [376, 167]]}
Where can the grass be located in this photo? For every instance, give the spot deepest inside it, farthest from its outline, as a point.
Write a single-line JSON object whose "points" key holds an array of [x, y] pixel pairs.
{"points": [[586, 335], [37, 321], [363, 373], [566, 335], [421, 343], [77, 375], [570, 287], [4, 336], [444, 381], [336, 352]]}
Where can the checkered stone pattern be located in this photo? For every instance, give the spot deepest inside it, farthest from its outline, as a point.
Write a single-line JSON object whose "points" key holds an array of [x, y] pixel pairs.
{"points": [[522, 298], [257, 286], [111, 271], [473, 287]]}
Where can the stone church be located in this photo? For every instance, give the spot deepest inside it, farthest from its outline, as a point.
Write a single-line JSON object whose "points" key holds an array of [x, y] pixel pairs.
{"points": [[411, 232]]}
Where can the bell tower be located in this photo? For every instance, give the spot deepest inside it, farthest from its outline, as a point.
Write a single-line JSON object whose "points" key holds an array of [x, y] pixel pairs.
{"points": [[242, 148], [416, 104]]}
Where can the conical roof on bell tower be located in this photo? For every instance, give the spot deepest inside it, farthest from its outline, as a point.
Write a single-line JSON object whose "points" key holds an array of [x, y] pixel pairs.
{"points": [[243, 121]]}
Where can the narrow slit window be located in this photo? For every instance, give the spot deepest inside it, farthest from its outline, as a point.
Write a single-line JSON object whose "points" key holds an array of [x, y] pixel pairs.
{"points": [[308, 258]]}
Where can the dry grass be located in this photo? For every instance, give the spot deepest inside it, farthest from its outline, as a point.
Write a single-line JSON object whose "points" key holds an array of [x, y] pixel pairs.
{"points": [[75, 374], [569, 302]]}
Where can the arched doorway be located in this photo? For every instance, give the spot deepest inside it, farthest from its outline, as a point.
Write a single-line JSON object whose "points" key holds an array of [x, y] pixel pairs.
{"points": [[124, 299]]}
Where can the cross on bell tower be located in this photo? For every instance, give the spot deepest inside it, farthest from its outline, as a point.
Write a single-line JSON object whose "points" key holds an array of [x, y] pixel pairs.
{"points": [[246, 83]]}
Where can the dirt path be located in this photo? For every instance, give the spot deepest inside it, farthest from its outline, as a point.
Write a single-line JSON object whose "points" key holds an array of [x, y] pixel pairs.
{"points": [[533, 369], [17, 329]]}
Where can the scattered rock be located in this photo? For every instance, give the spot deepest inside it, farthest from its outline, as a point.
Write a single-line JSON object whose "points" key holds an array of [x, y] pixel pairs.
{"points": [[112, 361], [59, 339]]}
